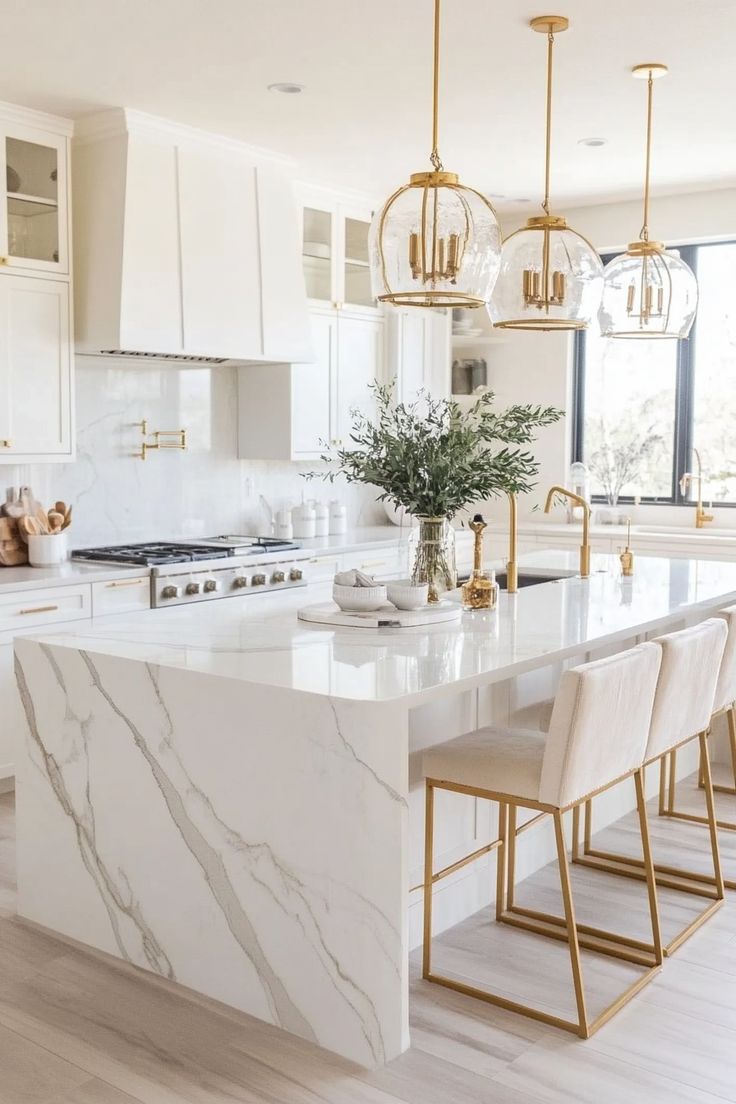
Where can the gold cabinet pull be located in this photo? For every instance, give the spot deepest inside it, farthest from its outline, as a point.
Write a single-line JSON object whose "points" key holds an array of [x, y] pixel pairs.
{"points": [[40, 609], [3, 260], [5, 442], [126, 582], [373, 563]]}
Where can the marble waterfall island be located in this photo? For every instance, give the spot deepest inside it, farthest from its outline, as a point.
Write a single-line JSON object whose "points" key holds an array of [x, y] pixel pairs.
{"points": [[220, 794]]}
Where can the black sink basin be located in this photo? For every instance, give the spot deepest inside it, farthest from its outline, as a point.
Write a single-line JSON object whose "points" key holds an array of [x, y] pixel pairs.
{"points": [[523, 579]]}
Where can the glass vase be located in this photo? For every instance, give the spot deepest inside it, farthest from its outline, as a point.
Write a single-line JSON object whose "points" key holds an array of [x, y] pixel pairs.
{"points": [[432, 556]]}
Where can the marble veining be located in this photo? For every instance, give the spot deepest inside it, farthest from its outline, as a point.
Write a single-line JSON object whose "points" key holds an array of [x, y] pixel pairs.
{"points": [[255, 887]]}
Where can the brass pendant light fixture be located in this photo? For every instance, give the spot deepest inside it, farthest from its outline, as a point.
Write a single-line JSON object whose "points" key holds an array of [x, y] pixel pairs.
{"points": [[435, 242], [648, 292], [551, 277]]}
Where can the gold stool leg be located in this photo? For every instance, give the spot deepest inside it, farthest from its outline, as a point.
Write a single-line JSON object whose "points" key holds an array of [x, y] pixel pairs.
{"points": [[572, 931], [641, 806], [428, 863], [712, 822], [511, 870], [503, 821]]}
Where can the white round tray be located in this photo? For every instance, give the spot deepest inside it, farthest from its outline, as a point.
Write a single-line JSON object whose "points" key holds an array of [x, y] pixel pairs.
{"points": [[388, 616]]}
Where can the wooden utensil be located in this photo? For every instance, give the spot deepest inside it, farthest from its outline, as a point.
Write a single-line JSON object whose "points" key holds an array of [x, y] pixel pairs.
{"points": [[29, 525], [42, 519], [56, 521], [67, 518], [59, 507]]}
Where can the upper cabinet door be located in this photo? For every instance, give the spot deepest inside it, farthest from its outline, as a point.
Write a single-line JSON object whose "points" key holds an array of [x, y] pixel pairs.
{"points": [[360, 360], [220, 263], [33, 210], [319, 254], [35, 370], [286, 331], [355, 271]]}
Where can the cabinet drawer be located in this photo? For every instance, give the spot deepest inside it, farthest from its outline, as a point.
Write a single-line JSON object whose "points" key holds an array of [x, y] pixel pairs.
{"points": [[323, 569], [121, 596], [44, 606], [383, 563]]}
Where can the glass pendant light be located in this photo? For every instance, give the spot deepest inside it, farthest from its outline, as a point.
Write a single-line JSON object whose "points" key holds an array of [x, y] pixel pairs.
{"points": [[648, 291], [435, 242], [551, 277]]}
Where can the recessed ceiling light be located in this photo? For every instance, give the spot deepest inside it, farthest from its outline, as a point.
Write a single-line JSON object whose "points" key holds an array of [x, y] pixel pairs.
{"points": [[592, 141], [287, 87]]}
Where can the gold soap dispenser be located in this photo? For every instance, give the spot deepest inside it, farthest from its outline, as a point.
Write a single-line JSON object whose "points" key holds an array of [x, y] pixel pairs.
{"points": [[627, 556], [481, 590]]}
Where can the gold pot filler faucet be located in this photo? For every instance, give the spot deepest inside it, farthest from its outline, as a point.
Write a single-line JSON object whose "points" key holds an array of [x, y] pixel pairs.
{"points": [[585, 546], [686, 481]]}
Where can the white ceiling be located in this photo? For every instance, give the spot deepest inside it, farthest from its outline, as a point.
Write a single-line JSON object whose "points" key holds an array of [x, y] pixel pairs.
{"points": [[363, 121]]}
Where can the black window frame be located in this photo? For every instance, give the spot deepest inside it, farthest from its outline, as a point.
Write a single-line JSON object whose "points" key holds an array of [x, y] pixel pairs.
{"points": [[684, 394]]}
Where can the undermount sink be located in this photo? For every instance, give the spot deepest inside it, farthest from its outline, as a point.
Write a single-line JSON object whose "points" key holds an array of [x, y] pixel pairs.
{"points": [[527, 578]]}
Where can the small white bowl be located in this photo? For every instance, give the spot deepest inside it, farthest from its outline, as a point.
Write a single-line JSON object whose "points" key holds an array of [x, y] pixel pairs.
{"points": [[406, 595], [359, 599]]}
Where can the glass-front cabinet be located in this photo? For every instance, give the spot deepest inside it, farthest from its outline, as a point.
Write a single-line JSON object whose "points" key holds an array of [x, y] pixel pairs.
{"points": [[335, 254], [33, 213]]}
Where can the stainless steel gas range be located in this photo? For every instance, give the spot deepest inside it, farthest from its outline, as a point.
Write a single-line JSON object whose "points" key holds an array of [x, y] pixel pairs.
{"points": [[215, 567]]}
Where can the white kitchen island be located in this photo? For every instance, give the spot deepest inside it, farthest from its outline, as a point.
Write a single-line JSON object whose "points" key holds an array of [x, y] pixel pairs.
{"points": [[229, 798]]}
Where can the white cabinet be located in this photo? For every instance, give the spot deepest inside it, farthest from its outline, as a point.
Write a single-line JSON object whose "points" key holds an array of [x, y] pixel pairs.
{"points": [[35, 370], [34, 219], [186, 245], [419, 352], [335, 251], [295, 411]]}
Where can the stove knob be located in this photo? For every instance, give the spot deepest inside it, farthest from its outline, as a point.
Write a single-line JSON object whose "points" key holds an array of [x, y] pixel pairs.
{"points": [[192, 588], [210, 585], [170, 592], [278, 577], [296, 574], [240, 581], [258, 580]]}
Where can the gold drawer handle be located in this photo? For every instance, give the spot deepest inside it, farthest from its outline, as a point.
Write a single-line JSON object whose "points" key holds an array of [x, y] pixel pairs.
{"points": [[127, 582], [374, 563], [3, 260], [5, 442], [40, 609]]}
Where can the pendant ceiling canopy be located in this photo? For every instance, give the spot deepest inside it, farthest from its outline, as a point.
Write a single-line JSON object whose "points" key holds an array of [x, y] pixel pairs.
{"points": [[551, 277], [435, 242], [648, 292]]}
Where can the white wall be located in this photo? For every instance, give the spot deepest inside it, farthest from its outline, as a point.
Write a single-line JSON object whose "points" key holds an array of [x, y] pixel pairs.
{"points": [[532, 367], [203, 491]]}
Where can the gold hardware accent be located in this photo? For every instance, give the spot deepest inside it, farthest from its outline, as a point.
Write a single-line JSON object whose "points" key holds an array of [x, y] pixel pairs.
{"points": [[686, 480], [39, 609], [6, 443], [481, 590], [179, 442], [126, 582], [3, 260], [562, 928], [512, 573], [627, 556], [585, 547]]}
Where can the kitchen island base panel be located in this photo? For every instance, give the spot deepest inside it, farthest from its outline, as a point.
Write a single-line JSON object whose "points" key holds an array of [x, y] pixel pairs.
{"points": [[286, 886]]}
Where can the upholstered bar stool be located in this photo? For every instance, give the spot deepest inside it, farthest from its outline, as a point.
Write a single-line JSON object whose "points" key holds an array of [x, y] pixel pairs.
{"points": [[683, 704], [598, 734], [724, 704]]}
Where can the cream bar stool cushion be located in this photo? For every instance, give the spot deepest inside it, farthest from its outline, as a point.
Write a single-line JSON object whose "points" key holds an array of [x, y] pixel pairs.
{"points": [[598, 733], [726, 685], [683, 704]]}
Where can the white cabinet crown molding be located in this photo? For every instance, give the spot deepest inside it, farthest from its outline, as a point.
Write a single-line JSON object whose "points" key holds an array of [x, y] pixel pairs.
{"points": [[41, 120], [124, 120]]}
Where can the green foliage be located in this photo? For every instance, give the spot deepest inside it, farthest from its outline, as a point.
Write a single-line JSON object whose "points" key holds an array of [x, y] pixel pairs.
{"points": [[434, 457]]}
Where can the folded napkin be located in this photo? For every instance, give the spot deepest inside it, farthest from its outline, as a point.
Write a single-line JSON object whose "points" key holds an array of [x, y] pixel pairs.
{"points": [[354, 579]]}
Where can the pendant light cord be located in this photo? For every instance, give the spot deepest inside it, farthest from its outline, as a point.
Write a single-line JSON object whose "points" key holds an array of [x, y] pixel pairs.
{"points": [[644, 233], [550, 48], [434, 156]]}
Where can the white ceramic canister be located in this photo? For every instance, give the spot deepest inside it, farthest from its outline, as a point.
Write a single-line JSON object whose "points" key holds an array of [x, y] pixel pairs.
{"points": [[338, 517], [322, 519], [47, 549], [304, 520], [284, 526]]}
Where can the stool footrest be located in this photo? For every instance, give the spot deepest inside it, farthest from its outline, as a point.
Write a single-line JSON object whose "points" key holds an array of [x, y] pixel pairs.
{"points": [[592, 939]]}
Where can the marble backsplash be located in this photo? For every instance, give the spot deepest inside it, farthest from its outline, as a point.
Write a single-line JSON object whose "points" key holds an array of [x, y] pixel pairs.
{"points": [[200, 492]]}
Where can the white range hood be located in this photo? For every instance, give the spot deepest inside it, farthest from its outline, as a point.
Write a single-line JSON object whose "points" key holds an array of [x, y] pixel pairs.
{"points": [[186, 246]]}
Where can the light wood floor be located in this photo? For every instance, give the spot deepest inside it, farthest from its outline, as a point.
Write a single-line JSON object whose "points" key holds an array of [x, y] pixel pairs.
{"points": [[75, 1029]]}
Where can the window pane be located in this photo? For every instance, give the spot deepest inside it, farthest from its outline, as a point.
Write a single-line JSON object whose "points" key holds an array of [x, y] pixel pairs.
{"points": [[629, 416], [714, 354]]}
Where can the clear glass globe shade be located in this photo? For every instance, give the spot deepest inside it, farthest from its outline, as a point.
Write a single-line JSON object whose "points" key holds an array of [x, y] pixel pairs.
{"points": [[653, 294], [435, 246], [571, 294]]}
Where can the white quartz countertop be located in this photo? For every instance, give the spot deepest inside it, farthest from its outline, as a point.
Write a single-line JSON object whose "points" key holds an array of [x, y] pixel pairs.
{"points": [[260, 640], [28, 578]]}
